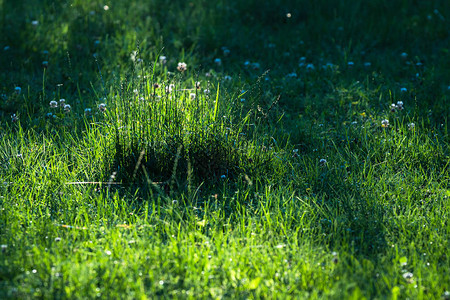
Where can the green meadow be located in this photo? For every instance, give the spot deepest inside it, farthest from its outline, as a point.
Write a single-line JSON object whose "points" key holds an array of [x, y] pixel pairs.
{"points": [[224, 149]]}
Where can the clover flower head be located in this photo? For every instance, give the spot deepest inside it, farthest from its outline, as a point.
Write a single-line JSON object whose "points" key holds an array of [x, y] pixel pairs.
{"points": [[87, 112], [35, 23], [403, 90], [192, 96], [53, 104], [322, 161], [411, 126], [182, 66], [45, 64], [18, 90], [62, 102], [385, 123], [399, 105], [197, 85], [102, 107], [310, 67], [162, 59], [14, 118], [393, 107], [67, 108], [218, 61]]}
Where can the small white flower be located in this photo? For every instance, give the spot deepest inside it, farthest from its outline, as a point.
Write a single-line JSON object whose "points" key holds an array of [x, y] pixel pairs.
{"points": [[49, 115], [218, 61], [247, 63], [18, 90], [223, 176], [385, 123], [106, 7], [206, 91], [53, 104], [14, 118], [228, 78], [35, 23], [399, 105], [87, 112], [393, 107], [174, 202], [170, 88], [350, 64], [403, 90], [67, 108], [58, 239], [322, 161], [404, 55], [62, 102], [182, 66], [197, 85], [310, 67], [256, 66], [411, 126], [102, 107], [162, 59], [192, 96]]}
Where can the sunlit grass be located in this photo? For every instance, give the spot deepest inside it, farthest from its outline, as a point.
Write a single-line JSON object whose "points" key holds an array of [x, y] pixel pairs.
{"points": [[224, 150]]}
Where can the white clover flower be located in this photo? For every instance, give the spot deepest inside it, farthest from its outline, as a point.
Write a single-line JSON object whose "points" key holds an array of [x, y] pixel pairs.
{"points": [[197, 85], [182, 66], [223, 176], [393, 107], [218, 61], [67, 108], [102, 107], [310, 67], [399, 105], [62, 102], [170, 88], [106, 7], [48, 115], [385, 123], [14, 118], [322, 161], [350, 64], [53, 104], [411, 126], [35, 23], [256, 66], [18, 90], [403, 90], [192, 96], [87, 112], [206, 91], [162, 59], [58, 239]]}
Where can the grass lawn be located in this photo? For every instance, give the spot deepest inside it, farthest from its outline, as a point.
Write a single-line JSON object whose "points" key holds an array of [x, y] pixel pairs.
{"points": [[225, 149]]}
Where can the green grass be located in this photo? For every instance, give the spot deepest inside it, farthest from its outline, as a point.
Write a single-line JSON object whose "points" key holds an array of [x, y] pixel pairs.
{"points": [[274, 178]]}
